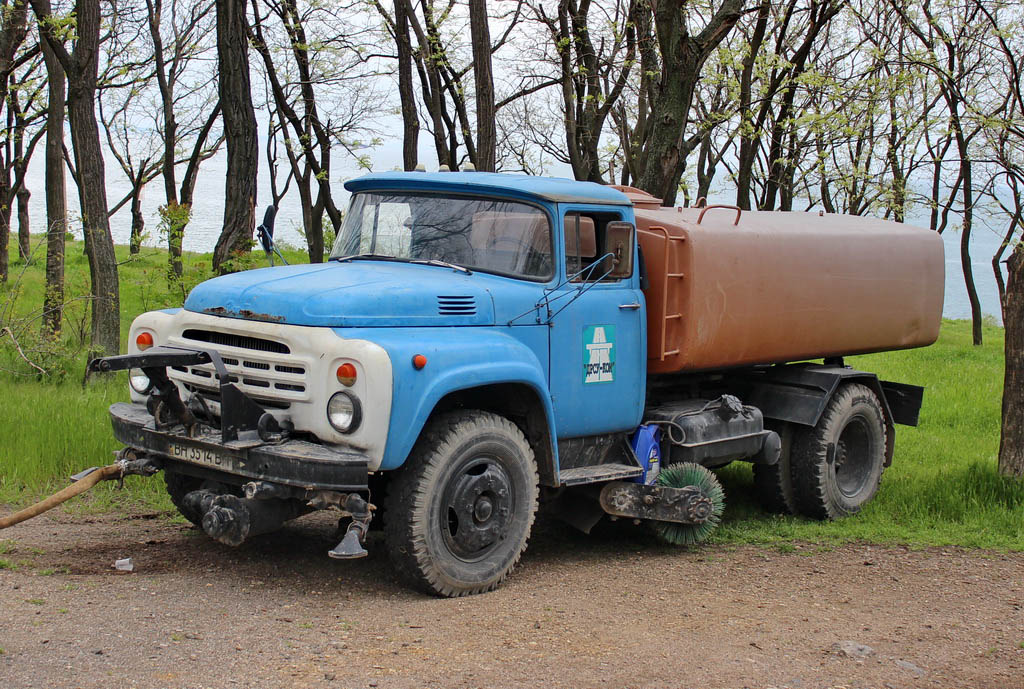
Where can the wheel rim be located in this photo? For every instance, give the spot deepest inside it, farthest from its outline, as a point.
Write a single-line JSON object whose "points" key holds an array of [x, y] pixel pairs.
{"points": [[477, 508], [853, 463]]}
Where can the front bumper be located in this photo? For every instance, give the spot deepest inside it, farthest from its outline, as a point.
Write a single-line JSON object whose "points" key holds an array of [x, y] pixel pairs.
{"points": [[295, 463]]}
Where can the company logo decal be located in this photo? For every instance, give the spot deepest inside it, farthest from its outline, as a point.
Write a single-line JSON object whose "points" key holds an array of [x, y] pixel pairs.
{"points": [[599, 354]]}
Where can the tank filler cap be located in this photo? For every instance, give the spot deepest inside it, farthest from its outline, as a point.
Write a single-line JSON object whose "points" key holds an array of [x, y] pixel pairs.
{"points": [[730, 407]]}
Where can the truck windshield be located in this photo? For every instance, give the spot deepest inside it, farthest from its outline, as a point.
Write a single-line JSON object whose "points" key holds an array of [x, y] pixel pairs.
{"points": [[489, 235]]}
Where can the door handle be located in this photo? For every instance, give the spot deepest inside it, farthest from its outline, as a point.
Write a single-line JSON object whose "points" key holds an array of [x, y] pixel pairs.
{"points": [[635, 305]]}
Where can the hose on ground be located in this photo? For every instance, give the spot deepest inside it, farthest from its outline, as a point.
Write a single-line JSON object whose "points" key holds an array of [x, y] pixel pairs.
{"points": [[115, 470]]}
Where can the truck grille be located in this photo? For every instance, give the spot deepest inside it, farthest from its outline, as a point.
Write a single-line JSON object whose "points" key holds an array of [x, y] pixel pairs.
{"points": [[264, 369], [232, 340]]}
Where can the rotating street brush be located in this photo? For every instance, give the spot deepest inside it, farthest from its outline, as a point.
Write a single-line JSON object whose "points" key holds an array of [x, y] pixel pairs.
{"points": [[690, 474]]}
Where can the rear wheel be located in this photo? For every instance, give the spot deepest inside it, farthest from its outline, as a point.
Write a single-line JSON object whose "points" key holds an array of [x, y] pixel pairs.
{"points": [[837, 465], [459, 513]]}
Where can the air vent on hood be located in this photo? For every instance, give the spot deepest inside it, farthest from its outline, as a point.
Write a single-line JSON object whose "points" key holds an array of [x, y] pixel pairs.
{"points": [[456, 306]]}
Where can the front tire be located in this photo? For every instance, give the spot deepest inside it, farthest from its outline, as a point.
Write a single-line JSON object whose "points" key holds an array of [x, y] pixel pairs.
{"points": [[459, 513], [837, 465]]}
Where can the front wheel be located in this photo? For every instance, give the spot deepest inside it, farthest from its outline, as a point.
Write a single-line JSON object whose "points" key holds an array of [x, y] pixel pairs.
{"points": [[837, 465], [459, 513]]}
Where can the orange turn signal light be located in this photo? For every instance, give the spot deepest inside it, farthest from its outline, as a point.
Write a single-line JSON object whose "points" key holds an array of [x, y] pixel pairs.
{"points": [[347, 375], [419, 361], [144, 341]]}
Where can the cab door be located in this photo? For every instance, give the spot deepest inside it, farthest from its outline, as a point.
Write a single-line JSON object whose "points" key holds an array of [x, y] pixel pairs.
{"points": [[598, 344]]}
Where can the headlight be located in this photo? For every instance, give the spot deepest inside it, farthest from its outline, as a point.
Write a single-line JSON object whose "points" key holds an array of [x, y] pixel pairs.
{"points": [[139, 381], [343, 412]]}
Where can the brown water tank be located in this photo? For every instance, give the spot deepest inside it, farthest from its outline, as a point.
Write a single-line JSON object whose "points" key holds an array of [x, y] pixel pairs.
{"points": [[733, 289]]}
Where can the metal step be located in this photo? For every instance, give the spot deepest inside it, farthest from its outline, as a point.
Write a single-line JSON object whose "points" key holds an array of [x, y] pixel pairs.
{"points": [[597, 473]]}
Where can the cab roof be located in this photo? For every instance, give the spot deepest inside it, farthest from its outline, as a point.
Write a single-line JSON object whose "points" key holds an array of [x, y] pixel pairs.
{"points": [[555, 189]]}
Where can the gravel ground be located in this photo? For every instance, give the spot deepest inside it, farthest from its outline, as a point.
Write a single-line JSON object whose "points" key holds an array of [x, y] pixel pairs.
{"points": [[612, 609]]}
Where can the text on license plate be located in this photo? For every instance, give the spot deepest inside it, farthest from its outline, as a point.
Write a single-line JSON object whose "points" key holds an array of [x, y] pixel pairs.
{"points": [[198, 455]]}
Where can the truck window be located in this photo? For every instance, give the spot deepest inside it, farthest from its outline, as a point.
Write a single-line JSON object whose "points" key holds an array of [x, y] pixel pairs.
{"points": [[585, 247], [388, 225], [491, 235]]}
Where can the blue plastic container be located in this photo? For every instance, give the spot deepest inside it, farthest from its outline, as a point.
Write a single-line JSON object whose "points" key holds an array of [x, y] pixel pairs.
{"points": [[645, 444]]}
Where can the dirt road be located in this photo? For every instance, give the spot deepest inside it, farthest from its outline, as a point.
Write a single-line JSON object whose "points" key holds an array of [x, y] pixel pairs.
{"points": [[614, 609]]}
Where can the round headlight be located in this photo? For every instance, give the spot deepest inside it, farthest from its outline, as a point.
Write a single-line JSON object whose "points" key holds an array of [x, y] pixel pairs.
{"points": [[343, 412], [139, 381]]}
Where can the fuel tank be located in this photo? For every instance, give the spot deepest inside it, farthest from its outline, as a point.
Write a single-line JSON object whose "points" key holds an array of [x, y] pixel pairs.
{"points": [[730, 288]]}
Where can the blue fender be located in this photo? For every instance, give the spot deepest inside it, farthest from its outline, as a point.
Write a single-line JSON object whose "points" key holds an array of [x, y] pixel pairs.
{"points": [[457, 359]]}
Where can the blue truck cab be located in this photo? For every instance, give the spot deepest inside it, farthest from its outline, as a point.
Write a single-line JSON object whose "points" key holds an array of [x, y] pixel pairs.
{"points": [[474, 342]]}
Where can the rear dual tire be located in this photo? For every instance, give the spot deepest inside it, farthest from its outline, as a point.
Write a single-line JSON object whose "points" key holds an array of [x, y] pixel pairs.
{"points": [[837, 465], [833, 469]]}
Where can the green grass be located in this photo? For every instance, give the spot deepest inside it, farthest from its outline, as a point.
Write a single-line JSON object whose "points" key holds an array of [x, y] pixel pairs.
{"points": [[942, 489]]}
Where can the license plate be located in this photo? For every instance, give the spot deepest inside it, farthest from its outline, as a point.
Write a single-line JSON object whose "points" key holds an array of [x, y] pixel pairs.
{"points": [[199, 455]]}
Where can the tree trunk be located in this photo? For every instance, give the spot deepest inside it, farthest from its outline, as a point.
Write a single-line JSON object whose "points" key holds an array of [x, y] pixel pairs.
{"points": [[176, 217], [480, 36], [749, 133], [105, 334], [240, 132], [898, 202], [410, 119], [302, 184], [965, 233], [184, 207], [56, 201], [13, 28], [997, 257], [665, 147], [138, 221], [1011, 440], [315, 240], [81, 69], [665, 152], [5, 232], [24, 235]]}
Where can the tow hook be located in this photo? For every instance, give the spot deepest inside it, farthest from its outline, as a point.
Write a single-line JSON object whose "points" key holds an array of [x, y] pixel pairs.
{"points": [[351, 505]]}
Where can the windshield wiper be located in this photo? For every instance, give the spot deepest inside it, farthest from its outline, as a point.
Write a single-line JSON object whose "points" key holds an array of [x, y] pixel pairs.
{"points": [[368, 257], [443, 264]]}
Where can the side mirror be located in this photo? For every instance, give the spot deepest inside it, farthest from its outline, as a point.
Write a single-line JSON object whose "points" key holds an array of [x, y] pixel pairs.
{"points": [[265, 233], [619, 239]]}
